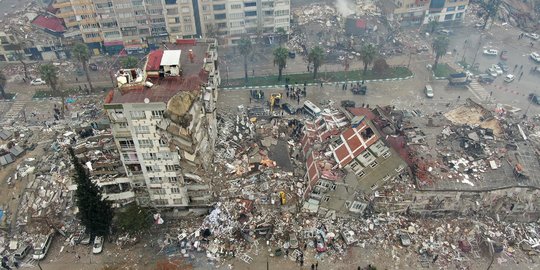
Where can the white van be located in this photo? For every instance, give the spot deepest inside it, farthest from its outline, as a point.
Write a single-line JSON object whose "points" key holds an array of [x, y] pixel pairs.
{"points": [[21, 253], [311, 108], [41, 246], [428, 90]]}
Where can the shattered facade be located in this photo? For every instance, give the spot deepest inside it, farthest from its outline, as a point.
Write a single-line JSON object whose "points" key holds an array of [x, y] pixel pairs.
{"points": [[164, 124], [446, 11]]}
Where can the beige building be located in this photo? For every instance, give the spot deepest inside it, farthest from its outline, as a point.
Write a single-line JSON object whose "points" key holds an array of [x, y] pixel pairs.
{"points": [[134, 24], [446, 10], [163, 120], [410, 12]]}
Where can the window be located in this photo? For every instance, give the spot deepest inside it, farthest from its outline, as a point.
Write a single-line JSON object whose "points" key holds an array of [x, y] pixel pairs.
{"points": [[141, 22], [127, 144], [149, 156], [373, 164], [172, 11], [462, 7], [459, 15], [152, 168], [178, 201], [155, 180], [162, 143], [142, 129], [173, 179], [281, 12], [220, 16], [170, 2], [360, 174], [366, 155], [169, 168], [450, 9], [251, 13], [188, 28], [137, 2], [175, 190], [185, 10], [355, 166], [325, 198], [236, 6], [386, 154], [158, 20], [161, 202], [250, 4], [449, 17], [122, 125], [145, 143], [219, 7], [158, 191], [138, 114]]}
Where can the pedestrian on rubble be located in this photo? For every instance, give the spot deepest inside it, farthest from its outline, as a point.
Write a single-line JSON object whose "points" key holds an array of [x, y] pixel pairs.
{"points": [[249, 100], [458, 97], [297, 258], [515, 67], [435, 258], [302, 262], [321, 85], [316, 265], [252, 72], [78, 256], [298, 100], [312, 266], [521, 67], [532, 44], [520, 75], [305, 246], [77, 79]]}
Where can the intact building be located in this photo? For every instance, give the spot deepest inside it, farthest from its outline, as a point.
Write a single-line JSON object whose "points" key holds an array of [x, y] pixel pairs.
{"points": [[446, 10], [163, 120], [134, 25], [406, 12]]}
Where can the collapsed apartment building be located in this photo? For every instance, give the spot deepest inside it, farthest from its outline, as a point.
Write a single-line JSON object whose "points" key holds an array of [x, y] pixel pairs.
{"points": [[345, 161], [163, 121]]}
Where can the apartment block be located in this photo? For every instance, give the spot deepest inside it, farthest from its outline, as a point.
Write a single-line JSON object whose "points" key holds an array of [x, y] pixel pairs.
{"points": [[134, 25], [233, 19], [163, 120], [407, 12], [446, 10], [127, 24]]}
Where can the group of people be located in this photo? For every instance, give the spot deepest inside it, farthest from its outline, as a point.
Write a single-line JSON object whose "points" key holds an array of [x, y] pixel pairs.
{"points": [[295, 92]]}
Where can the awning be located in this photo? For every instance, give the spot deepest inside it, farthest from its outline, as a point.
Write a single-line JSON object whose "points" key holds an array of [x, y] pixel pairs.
{"points": [[113, 43]]}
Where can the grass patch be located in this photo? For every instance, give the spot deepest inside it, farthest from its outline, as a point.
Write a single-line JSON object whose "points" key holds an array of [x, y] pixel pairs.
{"points": [[336, 76], [9, 96], [443, 70]]}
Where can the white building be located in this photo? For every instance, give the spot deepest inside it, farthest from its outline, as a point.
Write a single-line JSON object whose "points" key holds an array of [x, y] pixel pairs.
{"points": [[446, 10], [164, 123]]}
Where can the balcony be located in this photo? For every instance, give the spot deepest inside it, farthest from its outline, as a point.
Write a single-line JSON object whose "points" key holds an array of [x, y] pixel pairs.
{"points": [[61, 4], [94, 39]]}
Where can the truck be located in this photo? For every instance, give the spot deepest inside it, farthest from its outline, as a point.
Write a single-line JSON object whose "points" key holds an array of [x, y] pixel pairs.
{"points": [[458, 79]]}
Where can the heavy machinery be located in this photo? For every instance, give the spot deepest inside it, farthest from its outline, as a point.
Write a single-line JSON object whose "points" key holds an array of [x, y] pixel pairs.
{"points": [[275, 98]]}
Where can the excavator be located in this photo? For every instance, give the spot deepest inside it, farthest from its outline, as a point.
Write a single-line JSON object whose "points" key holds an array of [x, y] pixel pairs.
{"points": [[275, 98]]}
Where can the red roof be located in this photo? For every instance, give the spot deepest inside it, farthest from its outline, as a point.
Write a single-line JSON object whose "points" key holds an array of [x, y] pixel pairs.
{"points": [[362, 112], [154, 60], [353, 144], [50, 23], [360, 23]]}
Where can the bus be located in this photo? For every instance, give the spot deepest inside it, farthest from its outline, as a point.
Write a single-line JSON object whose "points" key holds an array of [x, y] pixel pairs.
{"points": [[311, 108], [41, 247]]}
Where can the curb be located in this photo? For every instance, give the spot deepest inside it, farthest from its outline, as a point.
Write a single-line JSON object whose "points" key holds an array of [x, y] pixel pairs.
{"points": [[314, 84]]}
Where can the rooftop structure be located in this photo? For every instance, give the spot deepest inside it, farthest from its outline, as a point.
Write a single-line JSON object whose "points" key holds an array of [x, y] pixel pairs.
{"points": [[164, 123]]}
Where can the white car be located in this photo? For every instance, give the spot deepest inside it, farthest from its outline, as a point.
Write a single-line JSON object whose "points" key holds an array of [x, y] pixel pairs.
{"points": [[535, 56], [492, 72], [497, 69], [38, 81], [98, 245], [534, 36], [509, 78], [491, 52]]}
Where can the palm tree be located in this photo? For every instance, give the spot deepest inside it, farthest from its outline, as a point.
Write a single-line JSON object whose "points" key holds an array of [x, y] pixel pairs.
{"points": [[3, 82], [245, 47], [367, 54], [129, 62], [316, 56], [440, 46], [81, 52], [280, 59], [491, 8], [432, 26], [49, 73]]}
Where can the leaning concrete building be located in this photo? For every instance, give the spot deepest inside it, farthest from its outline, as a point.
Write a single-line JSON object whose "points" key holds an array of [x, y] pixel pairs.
{"points": [[163, 121]]}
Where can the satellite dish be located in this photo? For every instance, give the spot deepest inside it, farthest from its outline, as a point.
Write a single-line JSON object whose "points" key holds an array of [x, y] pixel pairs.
{"points": [[146, 100]]}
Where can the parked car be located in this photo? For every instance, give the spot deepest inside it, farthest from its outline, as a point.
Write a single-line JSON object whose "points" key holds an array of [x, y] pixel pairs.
{"points": [[534, 98], [479, 25], [405, 239], [461, 78], [533, 36], [37, 81], [491, 71], [348, 104], [293, 240], [292, 54], [503, 55], [93, 67], [288, 108], [22, 252], [491, 52], [503, 66], [86, 239], [497, 69], [509, 78], [485, 78], [422, 48], [535, 56], [98, 245], [445, 32], [428, 90]]}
